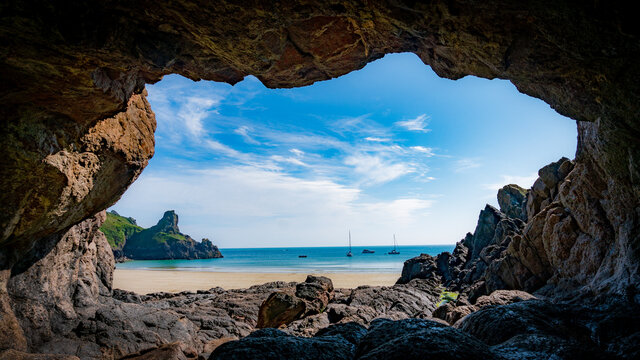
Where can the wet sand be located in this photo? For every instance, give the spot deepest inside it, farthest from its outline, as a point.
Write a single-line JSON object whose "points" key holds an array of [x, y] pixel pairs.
{"points": [[148, 281]]}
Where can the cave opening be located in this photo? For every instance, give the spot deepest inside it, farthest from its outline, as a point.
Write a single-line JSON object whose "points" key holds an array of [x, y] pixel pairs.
{"points": [[391, 148], [78, 131]]}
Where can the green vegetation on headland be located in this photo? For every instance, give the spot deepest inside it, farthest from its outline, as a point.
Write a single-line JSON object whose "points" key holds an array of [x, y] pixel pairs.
{"points": [[118, 228], [161, 241]]}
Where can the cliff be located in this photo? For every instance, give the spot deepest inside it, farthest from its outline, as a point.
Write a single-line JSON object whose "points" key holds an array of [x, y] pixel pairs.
{"points": [[159, 242]]}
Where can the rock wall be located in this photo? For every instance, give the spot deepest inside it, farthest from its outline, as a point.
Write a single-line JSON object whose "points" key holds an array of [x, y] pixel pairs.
{"points": [[555, 239]]}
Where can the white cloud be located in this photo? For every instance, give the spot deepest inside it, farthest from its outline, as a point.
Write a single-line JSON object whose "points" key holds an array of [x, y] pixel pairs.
{"points": [[427, 151], [463, 165], [297, 152], [224, 149], [252, 206], [418, 124], [376, 139], [376, 170], [290, 160], [193, 111], [244, 132]]}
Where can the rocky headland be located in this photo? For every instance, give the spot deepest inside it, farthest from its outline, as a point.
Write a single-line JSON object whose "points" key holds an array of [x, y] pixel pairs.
{"points": [[160, 242]]}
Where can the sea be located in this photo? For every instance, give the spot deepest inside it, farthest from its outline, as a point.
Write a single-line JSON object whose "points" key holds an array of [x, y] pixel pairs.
{"points": [[288, 260]]}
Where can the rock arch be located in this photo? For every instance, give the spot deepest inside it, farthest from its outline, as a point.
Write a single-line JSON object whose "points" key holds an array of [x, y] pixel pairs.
{"points": [[77, 129]]}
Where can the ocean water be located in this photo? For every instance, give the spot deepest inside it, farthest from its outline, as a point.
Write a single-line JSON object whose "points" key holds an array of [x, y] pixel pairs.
{"points": [[285, 260]]}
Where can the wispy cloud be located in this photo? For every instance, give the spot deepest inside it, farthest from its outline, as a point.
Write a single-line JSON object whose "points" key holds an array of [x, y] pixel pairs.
{"points": [[463, 165], [224, 149], [289, 159], [244, 132], [377, 139], [267, 207], [193, 111], [297, 152], [418, 124], [376, 170], [426, 151]]}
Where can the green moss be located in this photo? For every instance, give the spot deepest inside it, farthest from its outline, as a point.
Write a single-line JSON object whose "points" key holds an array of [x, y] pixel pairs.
{"points": [[118, 229], [447, 297]]}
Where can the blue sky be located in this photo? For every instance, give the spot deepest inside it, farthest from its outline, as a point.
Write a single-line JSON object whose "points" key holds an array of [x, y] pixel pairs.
{"points": [[391, 148]]}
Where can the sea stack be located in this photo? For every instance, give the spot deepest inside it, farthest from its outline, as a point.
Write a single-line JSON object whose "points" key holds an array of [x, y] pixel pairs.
{"points": [[162, 241]]}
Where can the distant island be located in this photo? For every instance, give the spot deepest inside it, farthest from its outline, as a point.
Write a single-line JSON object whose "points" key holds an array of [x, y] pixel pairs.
{"points": [[162, 241]]}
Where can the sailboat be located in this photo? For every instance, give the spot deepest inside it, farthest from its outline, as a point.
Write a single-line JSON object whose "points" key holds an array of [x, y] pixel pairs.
{"points": [[395, 246], [349, 254]]}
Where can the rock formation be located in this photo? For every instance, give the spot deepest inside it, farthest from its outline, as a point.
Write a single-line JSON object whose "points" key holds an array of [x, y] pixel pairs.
{"points": [[547, 254], [77, 130], [283, 307], [159, 242]]}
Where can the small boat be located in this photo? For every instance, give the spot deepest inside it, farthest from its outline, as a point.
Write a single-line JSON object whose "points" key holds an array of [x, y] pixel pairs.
{"points": [[349, 254], [302, 256], [367, 251], [395, 247]]}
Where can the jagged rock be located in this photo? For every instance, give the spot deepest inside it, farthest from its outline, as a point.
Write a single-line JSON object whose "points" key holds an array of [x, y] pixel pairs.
{"points": [[77, 269], [513, 201], [503, 297], [283, 307], [539, 329], [280, 308], [419, 267]]}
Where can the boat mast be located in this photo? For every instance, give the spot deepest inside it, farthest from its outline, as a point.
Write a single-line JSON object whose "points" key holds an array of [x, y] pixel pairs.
{"points": [[395, 244], [349, 240]]}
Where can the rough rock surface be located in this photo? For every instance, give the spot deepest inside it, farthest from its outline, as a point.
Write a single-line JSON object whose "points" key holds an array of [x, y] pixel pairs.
{"points": [[78, 272], [550, 253], [530, 329], [272, 344], [75, 114], [283, 307], [452, 313]]}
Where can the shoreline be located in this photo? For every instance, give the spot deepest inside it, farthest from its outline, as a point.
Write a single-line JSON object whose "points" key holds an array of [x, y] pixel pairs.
{"points": [[150, 281]]}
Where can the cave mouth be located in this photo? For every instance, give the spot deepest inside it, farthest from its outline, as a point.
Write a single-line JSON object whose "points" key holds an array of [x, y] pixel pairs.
{"points": [[391, 148], [79, 131]]}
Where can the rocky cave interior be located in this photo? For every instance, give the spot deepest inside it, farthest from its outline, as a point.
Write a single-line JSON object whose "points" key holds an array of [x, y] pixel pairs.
{"points": [[78, 130]]}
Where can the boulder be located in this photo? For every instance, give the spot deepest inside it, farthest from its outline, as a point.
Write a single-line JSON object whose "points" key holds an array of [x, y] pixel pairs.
{"points": [[283, 307], [419, 339], [272, 344], [513, 201], [280, 308]]}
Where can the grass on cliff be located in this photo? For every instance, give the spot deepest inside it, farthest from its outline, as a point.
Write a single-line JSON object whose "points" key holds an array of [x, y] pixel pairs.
{"points": [[118, 229]]}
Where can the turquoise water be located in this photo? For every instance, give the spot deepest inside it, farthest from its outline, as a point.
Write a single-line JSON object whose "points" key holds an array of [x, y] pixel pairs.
{"points": [[274, 260]]}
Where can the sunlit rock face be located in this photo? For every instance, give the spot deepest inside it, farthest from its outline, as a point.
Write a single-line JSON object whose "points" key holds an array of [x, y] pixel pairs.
{"points": [[77, 129]]}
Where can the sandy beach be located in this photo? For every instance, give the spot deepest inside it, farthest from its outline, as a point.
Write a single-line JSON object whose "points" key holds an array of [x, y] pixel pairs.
{"points": [[148, 281]]}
